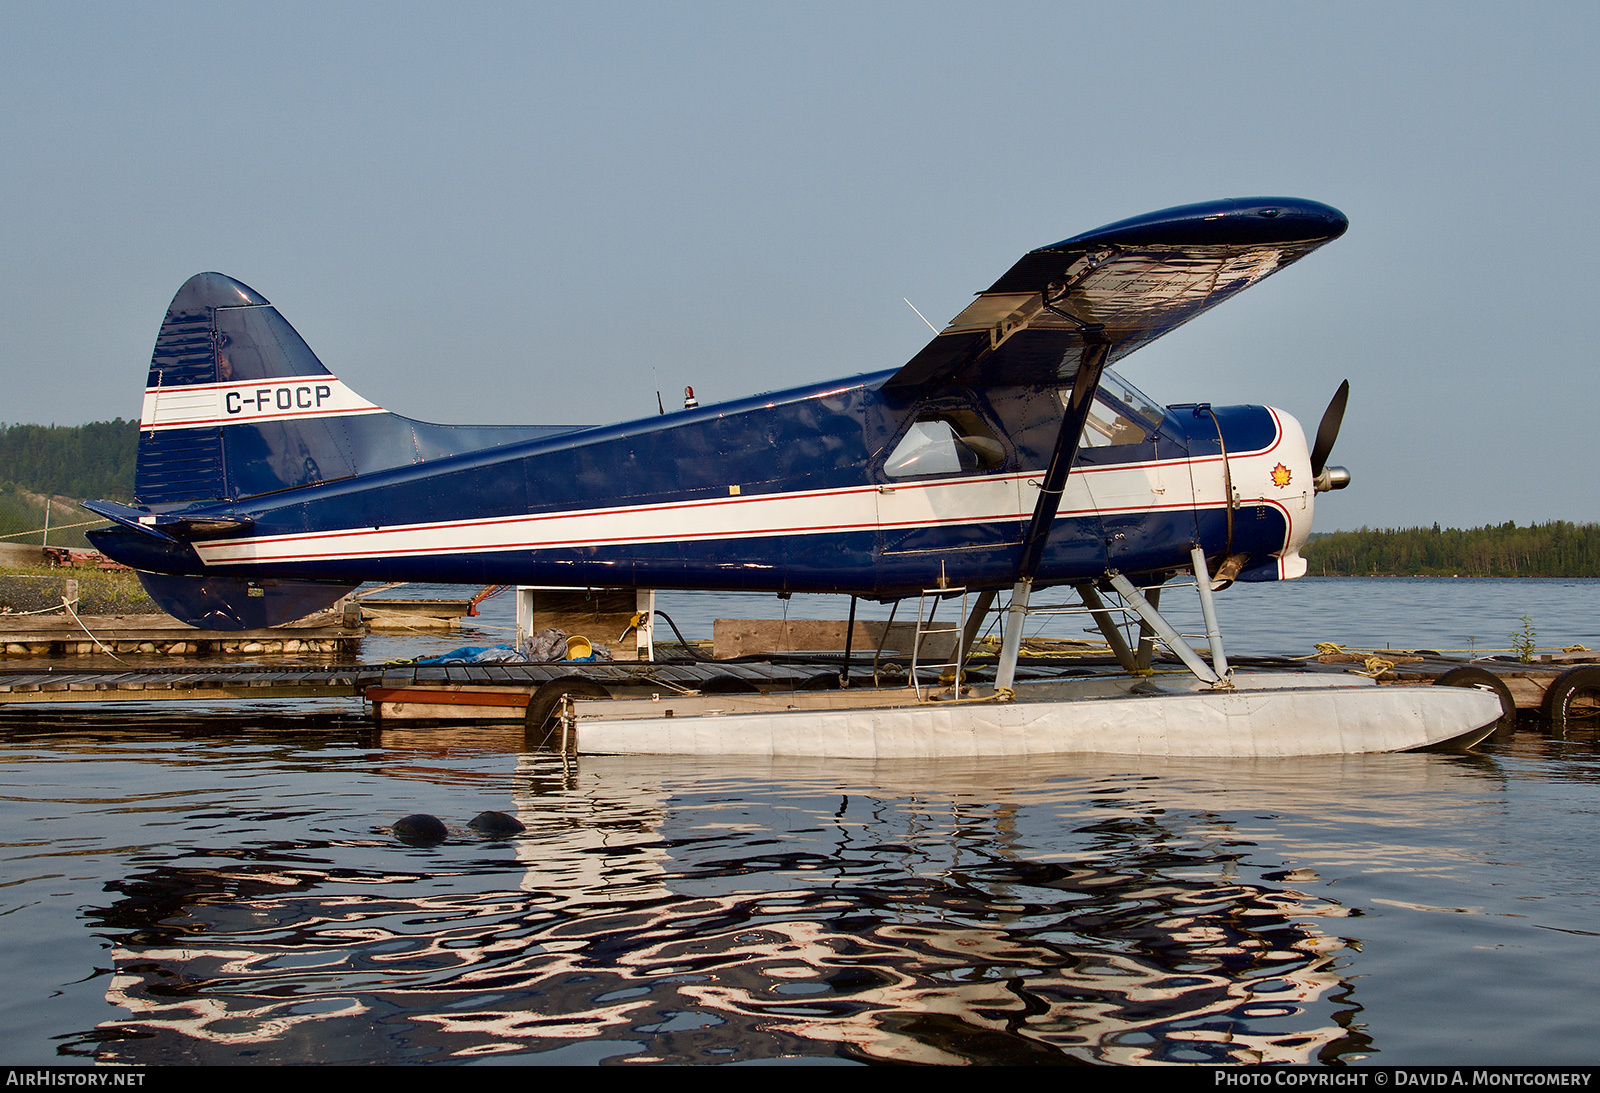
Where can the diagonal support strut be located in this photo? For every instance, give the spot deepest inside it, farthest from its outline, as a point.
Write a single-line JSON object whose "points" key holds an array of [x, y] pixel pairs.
{"points": [[1173, 640], [1096, 352]]}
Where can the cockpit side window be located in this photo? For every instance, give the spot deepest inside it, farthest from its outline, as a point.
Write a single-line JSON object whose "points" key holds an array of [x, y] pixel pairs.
{"points": [[1121, 414], [945, 442]]}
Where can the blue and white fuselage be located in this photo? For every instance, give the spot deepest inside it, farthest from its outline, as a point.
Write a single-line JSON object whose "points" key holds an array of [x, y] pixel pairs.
{"points": [[267, 487]]}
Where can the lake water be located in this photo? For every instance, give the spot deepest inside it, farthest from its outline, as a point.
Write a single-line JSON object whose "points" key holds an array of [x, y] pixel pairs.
{"points": [[182, 886], [1465, 614]]}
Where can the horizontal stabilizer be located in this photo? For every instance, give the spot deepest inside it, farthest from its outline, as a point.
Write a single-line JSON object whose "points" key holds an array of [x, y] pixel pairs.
{"points": [[1125, 284], [129, 517], [169, 526]]}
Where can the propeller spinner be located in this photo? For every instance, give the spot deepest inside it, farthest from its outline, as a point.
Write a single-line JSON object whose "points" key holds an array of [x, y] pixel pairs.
{"points": [[1324, 477]]}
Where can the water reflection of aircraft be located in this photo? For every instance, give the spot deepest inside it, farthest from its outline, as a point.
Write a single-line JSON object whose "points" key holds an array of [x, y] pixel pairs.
{"points": [[702, 911], [1005, 454]]}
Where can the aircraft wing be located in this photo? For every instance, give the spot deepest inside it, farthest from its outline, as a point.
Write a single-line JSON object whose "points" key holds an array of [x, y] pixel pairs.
{"points": [[1125, 284]]}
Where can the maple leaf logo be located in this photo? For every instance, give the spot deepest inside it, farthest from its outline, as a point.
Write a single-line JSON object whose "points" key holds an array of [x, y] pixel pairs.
{"points": [[1280, 476]]}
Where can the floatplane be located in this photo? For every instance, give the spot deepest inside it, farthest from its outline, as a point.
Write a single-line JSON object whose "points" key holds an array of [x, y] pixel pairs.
{"points": [[1007, 455]]}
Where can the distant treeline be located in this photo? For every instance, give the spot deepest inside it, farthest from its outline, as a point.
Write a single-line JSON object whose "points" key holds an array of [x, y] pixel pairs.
{"points": [[71, 462], [1556, 549], [78, 461]]}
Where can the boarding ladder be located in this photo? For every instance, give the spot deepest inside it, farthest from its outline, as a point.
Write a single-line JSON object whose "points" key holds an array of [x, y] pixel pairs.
{"points": [[928, 605]]}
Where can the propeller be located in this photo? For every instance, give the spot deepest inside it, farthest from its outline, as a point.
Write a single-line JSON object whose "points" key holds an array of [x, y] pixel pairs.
{"points": [[1325, 477]]}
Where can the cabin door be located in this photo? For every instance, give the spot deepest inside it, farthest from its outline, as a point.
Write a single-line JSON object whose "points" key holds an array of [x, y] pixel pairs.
{"points": [[942, 489]]}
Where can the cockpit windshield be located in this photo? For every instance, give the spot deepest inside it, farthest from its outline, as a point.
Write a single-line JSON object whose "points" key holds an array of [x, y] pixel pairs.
{"points": [[1122, 414], [1135, 399], [951, 439]]}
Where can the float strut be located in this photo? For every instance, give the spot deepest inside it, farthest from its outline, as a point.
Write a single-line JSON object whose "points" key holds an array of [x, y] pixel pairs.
{"points": [[1147, 646], [1005, 676], [1163, 629], [849, 634], [1108, 627], [1080, 400], [1208, 608]]}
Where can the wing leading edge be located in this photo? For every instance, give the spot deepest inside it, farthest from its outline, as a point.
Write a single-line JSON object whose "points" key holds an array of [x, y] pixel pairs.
{"points": [[1123, 285]]}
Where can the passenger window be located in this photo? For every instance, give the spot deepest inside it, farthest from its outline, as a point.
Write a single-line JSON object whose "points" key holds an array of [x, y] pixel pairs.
{"points": [[944, 443]]}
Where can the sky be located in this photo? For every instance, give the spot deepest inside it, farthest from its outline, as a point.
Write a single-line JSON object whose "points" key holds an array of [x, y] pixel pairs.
{"points": [[545, 213]]}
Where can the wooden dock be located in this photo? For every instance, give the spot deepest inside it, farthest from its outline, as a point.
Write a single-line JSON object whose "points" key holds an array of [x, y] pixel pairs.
{"points": [[502, 692], [497, 691], [394, 614], [68, 636]]}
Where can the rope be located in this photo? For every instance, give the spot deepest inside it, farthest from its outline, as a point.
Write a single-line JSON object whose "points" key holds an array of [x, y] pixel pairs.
{"points": [[647, 674], [15, 614], [1328, 648], [85, 629], [1002, 694], [1088, 649], [53, 527]]}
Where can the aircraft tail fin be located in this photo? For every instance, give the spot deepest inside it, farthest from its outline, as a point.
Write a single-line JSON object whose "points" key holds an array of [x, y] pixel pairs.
{"points": [[236, 403]]}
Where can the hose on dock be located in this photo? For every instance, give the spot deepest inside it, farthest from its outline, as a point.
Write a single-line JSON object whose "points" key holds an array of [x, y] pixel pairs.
{"points": [[690, 649]]}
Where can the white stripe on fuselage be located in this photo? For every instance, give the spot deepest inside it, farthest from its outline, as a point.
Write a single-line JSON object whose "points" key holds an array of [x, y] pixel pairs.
{"points": [[204, 405], [942, 503], [1173, 485]]}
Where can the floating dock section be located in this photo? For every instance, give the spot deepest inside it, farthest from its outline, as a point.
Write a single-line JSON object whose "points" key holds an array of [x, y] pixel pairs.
{"points": [[1278, 706], [393, 690], [85, 635]]}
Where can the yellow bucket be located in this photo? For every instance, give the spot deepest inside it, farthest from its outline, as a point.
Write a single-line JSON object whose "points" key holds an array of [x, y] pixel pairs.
{"points": [[578, 648]]}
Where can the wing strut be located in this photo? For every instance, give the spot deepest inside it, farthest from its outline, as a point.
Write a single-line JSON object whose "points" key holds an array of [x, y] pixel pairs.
{"points": [[1096, 352]]}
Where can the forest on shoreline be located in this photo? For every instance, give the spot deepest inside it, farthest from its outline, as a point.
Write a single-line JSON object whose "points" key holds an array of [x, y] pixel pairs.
{"points": [[68, 463], [1558, 548], [72, 462]]}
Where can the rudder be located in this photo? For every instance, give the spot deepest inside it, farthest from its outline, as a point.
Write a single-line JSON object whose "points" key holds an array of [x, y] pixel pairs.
{"points": [[236, 404]]}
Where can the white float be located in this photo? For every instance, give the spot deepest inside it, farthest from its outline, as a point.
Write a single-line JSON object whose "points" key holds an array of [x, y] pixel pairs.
{"points": [[1265, 715]]}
